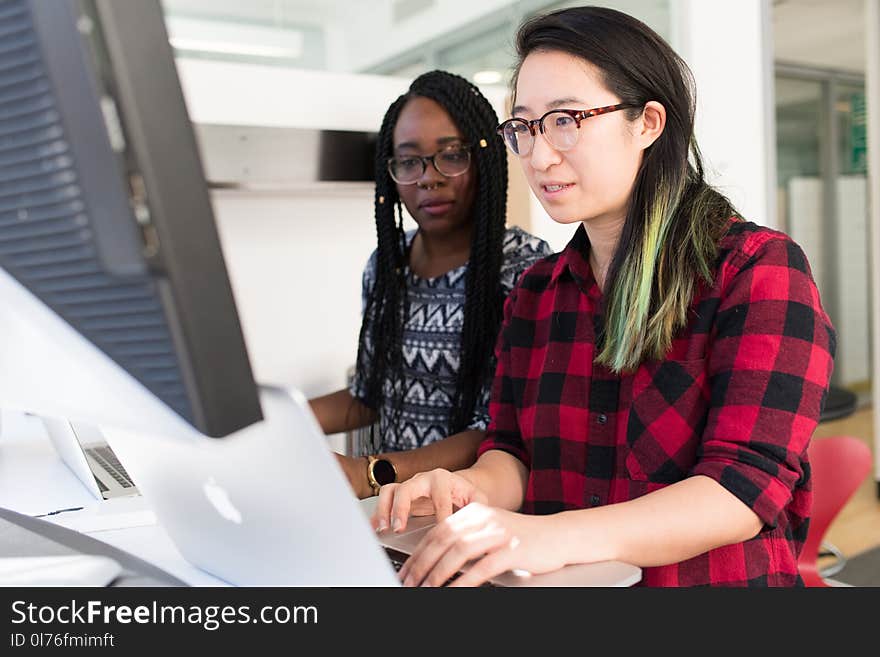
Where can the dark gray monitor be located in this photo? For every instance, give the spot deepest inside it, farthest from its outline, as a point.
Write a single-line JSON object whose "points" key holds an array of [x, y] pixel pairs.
{"points": [[104, 212]]}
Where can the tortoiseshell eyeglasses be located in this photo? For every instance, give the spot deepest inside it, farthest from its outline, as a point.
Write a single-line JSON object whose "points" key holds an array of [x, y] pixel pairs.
{"points": [[561, 130]]}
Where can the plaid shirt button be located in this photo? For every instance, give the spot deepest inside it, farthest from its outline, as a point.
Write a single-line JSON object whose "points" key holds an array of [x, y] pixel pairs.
{"points": [[602, 419], [595, 501]]}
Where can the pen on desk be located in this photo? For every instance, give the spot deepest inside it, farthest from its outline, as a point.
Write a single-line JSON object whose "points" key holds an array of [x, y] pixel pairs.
{"points": [[55, 513]]}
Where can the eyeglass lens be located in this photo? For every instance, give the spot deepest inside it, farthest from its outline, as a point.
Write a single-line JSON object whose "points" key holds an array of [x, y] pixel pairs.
{"points": [[449, 162], [560, 129]]}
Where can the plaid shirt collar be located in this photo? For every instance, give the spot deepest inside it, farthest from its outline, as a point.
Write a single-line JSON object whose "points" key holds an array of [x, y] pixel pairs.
{"points": [[575, 261]]}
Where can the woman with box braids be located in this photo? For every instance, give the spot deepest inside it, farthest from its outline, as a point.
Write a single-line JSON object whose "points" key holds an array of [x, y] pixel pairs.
{"points": [[475, 117], [432, 297]]}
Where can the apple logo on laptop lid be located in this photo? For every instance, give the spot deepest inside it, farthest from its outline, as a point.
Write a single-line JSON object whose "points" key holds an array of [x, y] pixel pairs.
{"points": [[219, 498]]}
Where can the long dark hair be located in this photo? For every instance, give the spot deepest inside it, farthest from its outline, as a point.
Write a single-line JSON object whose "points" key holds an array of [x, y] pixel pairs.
{"points": [[387, 307], [675, 219]]}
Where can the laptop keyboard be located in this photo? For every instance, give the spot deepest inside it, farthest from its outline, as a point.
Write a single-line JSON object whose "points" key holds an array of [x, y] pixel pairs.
{"points": [[107, 460], [397, 560]]}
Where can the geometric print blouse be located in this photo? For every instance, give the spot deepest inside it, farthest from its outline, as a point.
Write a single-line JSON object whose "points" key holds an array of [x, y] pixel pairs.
{"points": [[431, 347]]}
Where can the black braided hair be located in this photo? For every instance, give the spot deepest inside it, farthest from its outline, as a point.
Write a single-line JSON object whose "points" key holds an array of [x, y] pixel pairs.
{"points": [[387, 305]]}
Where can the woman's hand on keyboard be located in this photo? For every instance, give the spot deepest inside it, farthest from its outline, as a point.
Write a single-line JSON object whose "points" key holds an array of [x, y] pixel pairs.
{"points": [[438, 492], [491, 541]]}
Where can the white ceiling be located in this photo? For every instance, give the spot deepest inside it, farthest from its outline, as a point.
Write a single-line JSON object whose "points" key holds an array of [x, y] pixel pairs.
{"points": [[276, 12], [818, 33]]}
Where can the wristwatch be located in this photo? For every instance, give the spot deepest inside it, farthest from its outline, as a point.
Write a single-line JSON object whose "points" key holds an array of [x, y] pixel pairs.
{"points": [[380, 472]]}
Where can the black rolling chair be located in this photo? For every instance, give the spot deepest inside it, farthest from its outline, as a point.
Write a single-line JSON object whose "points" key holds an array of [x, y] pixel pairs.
{"points": [[839, 403]]}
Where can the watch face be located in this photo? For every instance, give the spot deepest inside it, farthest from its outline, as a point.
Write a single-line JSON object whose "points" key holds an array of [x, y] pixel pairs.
{"points": [[383, 472]]}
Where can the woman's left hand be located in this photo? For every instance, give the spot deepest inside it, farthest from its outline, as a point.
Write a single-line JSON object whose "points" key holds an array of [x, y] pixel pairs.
{"points": [[495, 539]]}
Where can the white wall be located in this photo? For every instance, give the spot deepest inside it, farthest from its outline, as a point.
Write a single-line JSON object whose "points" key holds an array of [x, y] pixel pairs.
{"points": [[728, 46], [226, 93], [295, 264]]}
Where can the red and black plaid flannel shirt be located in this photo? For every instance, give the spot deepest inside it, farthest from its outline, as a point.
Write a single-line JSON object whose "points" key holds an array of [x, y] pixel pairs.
{"points": [[736, 399]]}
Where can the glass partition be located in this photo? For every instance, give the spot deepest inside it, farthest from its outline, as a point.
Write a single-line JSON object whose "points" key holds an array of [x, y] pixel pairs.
{"points": [[822, 202]]}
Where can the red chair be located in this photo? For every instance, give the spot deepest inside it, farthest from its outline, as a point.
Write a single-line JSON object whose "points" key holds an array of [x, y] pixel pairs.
{"points": [[839, 464]]}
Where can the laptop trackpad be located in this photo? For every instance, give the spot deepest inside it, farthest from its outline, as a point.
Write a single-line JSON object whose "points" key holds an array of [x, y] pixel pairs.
{"points": [[409, 538]]}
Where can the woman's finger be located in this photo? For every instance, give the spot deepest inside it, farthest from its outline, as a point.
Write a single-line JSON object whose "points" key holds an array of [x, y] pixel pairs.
{"points": [[491, 565], [381, 516], [473, 545], [404, 495]]}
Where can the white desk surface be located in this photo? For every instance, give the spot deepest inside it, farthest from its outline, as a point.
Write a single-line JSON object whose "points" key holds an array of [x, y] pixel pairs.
{"points": [[34, 481]]}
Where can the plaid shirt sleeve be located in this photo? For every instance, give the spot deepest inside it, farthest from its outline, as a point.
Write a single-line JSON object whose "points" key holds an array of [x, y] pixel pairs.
{"points": [[770, 360], [503, 430], [517, 260]]}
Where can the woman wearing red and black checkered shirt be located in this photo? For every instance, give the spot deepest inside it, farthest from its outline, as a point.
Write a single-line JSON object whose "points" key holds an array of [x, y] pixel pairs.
{"points": [[659, 380]]}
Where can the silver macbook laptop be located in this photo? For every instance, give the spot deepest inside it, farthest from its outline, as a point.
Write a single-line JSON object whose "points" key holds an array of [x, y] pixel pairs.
{"points": [[269, 506], [85, 451]]}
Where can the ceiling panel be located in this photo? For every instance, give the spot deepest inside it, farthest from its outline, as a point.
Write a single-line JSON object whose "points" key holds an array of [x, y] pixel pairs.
{"points": [[820, 33]]}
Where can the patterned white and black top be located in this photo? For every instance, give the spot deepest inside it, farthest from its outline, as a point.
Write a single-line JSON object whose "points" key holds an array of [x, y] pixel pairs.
{"points": [[431, 346]]}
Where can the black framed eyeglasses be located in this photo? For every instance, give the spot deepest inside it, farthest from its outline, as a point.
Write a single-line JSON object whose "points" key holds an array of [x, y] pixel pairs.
{"points": [[560, 127], [450, 161]]}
